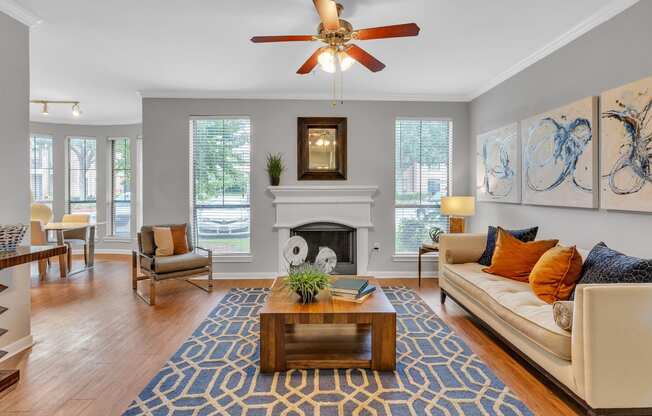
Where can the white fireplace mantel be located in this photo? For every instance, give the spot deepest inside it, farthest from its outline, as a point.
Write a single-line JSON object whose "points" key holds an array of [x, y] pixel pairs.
{"points": [[349, 205]]}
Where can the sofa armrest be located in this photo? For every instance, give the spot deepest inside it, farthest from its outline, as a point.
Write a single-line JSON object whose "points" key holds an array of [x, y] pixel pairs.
{"points": [[611, 340], [461, 248]]}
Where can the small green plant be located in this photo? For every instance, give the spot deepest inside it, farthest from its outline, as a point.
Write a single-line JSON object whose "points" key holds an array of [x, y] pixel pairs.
{"points": [[306, 281], [275, 168]]}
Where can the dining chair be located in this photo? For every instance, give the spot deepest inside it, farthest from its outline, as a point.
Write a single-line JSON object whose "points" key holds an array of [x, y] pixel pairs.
{"points": [[39, 237], [79, 236], [42, 213]]}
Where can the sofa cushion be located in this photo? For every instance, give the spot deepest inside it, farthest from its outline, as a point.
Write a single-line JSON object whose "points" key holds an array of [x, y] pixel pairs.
{"points": [[513, 302], [604, 265], [181, 262], [514, 258], [562, 311], [554, 276], [528, 234]]}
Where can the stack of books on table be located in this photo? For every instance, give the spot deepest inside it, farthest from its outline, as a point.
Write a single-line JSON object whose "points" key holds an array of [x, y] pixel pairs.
{"points": [[351, 290]]}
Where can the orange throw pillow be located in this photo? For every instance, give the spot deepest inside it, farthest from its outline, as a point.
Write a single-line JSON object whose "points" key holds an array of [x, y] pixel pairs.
{"points": [[179, 239], [515, 259], [556, 273]]}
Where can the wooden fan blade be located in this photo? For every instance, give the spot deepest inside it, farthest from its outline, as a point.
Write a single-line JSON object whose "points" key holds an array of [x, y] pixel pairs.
{"points": [[362, 56], [395, 31], [288, 38], [327, 10], [311, 63]]}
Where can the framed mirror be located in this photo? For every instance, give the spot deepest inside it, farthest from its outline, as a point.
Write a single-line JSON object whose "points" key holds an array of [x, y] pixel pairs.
{"points": [[321, 148]]}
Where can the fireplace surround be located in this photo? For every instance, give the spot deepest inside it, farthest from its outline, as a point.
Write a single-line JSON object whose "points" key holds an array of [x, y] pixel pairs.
{"points": [[344, 205]]}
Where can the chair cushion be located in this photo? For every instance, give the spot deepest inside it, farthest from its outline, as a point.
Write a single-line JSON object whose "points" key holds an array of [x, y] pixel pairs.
{"points": [[163, 241], [148, 246], [514, 303], [181, 262], [185, 273]]}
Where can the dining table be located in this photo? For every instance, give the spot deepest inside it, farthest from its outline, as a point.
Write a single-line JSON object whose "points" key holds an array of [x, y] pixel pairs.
{"points": [[59, 228]]}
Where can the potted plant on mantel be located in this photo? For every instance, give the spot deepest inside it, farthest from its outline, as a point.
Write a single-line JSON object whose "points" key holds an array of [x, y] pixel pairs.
{"points": [[307, 281], [275, 168]]}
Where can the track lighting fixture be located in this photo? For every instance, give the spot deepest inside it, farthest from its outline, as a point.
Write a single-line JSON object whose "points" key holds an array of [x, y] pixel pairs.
{"points": [[76, 109]]}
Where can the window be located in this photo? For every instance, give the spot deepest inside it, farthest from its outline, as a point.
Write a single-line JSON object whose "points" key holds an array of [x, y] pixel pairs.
{"points": [[221, 169], [82, 174], [120, 186], [422, 168], [41, 169]]}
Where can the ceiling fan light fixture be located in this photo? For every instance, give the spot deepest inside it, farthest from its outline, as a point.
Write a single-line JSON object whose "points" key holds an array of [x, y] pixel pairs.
{"points": [[346, 61], [76, 111], [327, 60]]}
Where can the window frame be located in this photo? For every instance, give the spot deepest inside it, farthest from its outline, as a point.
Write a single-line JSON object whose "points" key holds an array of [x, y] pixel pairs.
{"points": [[49, 169], [110, 202], [225, 257], [69, 202], [410, 256]]}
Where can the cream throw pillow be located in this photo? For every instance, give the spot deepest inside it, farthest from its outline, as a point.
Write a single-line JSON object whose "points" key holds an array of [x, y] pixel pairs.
{"points": [[163, 240]]}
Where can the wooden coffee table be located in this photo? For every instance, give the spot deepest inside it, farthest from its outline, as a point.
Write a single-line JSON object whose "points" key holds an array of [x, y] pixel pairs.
{"points": [[327, 333]]}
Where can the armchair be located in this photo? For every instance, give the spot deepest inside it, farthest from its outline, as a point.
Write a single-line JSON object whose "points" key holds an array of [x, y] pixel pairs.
{"points": [[180, 266]]}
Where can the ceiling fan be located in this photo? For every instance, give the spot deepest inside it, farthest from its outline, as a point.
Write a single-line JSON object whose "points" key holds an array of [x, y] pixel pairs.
{"points": [[336, 33]]}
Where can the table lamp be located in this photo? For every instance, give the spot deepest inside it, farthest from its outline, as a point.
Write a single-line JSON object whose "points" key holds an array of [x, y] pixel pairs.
{"points": [[457, 207]]}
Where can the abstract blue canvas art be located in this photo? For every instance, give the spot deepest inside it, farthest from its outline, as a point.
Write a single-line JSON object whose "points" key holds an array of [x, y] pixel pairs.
{"points": [[626, 149], [560, 156], [498, 165]]}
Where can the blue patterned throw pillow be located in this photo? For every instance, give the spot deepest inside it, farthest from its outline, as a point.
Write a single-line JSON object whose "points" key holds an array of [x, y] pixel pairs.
{"points": [[526, 235], [604, 265]]}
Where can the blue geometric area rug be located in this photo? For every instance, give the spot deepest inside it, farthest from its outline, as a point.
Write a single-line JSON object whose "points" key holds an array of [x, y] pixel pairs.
{"points": [[215, 372]]}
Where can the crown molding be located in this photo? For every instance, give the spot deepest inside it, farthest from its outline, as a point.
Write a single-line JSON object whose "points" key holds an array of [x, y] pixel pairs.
{"points": [[20, 13], [602, 15], [236, 95]]}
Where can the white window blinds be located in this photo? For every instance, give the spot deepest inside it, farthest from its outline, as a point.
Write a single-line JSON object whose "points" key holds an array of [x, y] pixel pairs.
{"points": [[82, 176], [422, 169], [41, 170], [221, 177], [120, 187]]}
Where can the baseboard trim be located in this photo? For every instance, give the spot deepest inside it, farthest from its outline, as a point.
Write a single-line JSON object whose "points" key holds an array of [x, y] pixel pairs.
{"points": [[245, 276], [113, 251], [274, 275], [17, 346], [402, 274]]}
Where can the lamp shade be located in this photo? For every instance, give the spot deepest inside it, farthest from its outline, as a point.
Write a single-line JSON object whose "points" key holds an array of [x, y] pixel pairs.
{"points": [[458, 206]]}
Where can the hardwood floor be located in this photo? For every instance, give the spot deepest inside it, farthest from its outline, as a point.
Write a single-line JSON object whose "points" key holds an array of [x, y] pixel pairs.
{"points": [[97, 344]]}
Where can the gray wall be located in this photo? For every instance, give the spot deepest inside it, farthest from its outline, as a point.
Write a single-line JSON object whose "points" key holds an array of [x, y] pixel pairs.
{"points": [[14, 178], [166, 169], [615, 53], [60, 133]]}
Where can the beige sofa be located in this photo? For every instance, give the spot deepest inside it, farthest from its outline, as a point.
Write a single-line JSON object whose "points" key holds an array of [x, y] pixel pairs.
{"points": [[605, 363]]}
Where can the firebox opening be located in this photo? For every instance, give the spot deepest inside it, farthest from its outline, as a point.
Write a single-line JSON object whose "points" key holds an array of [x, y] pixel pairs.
{"points": [[340, 238]]}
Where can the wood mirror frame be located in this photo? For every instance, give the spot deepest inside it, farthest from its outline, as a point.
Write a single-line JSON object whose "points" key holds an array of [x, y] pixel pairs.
{"points": [[304, 124]]}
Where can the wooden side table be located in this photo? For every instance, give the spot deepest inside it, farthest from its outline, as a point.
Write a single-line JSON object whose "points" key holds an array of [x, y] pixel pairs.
{"points": [[426, 248]]}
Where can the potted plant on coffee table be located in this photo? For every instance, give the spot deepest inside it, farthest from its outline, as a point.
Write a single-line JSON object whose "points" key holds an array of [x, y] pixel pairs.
{"points": [[275, 168], [306, 281]]}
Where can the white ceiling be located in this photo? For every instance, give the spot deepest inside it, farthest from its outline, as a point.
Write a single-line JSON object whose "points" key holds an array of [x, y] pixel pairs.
{"points": [[105, 53]]}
